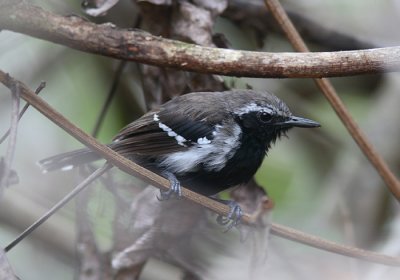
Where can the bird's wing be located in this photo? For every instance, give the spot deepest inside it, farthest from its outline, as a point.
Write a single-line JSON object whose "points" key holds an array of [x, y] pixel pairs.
{"points": [[162, 132]]}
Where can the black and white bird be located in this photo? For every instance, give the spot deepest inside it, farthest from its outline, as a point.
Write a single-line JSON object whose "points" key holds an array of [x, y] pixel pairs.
{"points": [[206, 141]]}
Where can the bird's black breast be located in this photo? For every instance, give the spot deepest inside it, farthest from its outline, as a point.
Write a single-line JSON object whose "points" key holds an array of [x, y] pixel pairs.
{"points": [[238, 170]]}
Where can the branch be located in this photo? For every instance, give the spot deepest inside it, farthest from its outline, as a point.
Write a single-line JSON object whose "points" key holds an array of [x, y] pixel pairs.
{"points": [[317, 242], [159, 182], [331, 95], [139, 46], [253, 14]]}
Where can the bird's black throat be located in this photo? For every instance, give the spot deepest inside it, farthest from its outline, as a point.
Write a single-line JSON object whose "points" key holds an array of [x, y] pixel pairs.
{"points": [[240, 168]]}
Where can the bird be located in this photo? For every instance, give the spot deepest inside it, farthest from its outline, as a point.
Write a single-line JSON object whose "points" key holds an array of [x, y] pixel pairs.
{"points": [[207, 142]]}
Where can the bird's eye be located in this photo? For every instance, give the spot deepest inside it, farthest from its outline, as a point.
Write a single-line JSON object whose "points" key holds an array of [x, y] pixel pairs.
{"points": [[265, 117]]}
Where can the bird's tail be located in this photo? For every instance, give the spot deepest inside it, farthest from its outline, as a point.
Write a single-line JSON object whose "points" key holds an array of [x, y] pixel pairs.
{"points": [[68, 160]]}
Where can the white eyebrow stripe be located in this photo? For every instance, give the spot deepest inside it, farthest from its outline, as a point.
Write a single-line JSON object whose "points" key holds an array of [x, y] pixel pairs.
{"points": [[179, 139], [253, 107]]}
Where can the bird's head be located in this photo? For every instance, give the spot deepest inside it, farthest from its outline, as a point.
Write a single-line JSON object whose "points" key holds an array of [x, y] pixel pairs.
{"points": [[265, 117]]}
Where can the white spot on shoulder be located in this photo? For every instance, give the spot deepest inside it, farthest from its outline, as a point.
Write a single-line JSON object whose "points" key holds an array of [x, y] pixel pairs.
{"points": [[156, 118], [203, 141]]}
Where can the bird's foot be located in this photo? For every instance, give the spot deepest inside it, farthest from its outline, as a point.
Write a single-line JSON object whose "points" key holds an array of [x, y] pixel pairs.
{"points": [[234, 216], [175, 187]]}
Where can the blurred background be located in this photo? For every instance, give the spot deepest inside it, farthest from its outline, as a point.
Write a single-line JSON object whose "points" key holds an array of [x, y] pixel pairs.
{"points": [[319, 180]]}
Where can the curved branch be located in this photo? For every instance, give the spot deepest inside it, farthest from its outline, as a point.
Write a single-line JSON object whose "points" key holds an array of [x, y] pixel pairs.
{"points": [[135, 45]]}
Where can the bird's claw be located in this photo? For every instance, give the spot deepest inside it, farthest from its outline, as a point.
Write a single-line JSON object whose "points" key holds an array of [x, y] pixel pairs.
{"points": [[175, 187], [234, 216]]}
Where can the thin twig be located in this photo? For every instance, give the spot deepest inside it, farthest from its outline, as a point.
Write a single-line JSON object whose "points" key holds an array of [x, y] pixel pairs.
{"points": [[59, 204], [109, 98], [159, 182], [12, 142], [87, 254], [328, 90], [139, 46], [37, 91], [326, 245]]}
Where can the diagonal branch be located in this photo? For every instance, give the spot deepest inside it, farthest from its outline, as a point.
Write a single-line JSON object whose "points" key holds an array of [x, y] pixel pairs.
{"points": [[152, 178], [252, 14], [329, 91], [139, 46]]}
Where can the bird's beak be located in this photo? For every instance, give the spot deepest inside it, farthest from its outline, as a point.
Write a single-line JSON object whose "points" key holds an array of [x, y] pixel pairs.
{"points": [[299, 122]]}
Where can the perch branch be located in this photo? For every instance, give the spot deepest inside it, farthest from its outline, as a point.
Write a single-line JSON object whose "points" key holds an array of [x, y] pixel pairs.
{"points": [[135, 45], [157, 181]]}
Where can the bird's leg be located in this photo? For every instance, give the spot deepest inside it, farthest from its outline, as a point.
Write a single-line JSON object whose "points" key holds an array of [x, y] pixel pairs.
{"points": [[175, 187], [234, 216]]}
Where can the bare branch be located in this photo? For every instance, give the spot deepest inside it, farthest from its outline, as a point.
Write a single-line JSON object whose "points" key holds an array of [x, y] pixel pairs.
{"points": [[317, 242], [330, 93], [135, 45], [252, 14], [110, 96]]}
